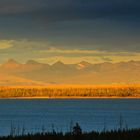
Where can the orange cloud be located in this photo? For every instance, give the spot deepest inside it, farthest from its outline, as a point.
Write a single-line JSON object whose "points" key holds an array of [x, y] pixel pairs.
{"points": [[4, 44]]}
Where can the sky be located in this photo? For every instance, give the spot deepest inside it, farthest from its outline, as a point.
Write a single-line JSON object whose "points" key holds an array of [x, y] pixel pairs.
{"points": [[70, 30]]}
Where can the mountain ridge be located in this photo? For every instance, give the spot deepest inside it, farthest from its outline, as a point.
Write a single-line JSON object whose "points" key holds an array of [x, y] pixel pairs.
{"points": [[79, 73]]}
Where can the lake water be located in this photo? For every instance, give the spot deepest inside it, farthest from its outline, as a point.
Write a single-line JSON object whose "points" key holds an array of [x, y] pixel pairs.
{"points": [[33, 115]]}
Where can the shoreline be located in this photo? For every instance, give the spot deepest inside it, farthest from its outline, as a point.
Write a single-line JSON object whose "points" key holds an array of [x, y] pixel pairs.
{"points": [[71, 92], [73, 97]]}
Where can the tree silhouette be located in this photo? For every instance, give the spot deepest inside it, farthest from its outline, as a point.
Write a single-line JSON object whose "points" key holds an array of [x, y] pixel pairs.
{"points": [[77, 129]]}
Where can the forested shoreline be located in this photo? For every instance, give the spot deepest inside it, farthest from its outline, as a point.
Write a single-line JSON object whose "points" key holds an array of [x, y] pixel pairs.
{"points": [[68, 91], [77, 133]]}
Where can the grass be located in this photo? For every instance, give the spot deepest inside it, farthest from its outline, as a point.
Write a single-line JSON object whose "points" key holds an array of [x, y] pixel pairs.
{"points": [[70, 91], [77, 134]]}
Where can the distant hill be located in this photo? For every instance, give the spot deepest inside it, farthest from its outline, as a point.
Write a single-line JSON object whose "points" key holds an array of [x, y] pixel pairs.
{"points": [[32, 72], [6, 80]]}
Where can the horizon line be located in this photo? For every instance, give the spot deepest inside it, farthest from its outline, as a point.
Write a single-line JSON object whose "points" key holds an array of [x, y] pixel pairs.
{"points": [[59, 61]]}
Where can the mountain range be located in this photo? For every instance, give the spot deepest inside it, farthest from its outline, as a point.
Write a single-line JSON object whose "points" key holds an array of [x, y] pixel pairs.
{"points": [[35, 73]]}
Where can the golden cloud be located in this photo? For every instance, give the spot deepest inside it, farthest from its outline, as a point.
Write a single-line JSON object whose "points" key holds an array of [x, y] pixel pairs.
{"points": [[4, 44], [91, 59], [88, 52]]}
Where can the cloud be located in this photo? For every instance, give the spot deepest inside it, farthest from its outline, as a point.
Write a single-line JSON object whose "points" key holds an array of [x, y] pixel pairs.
{"points": [[51, 10], [91, 59], [106, 59], [92, 24], [16, 7], [23, 44], [4, 44], [43, 48], [45, 52], [84, 52], [74, 29], [94, 56]]}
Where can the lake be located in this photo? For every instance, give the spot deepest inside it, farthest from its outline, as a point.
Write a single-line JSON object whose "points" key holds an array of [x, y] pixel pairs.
{"points": [[33, 115]]}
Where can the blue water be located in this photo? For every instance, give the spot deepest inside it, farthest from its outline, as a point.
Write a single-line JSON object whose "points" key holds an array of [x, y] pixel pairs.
{"points": [[92, 114]]}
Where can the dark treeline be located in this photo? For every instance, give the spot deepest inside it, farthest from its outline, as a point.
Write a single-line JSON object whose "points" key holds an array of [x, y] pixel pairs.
{"points": [[77, 134]]}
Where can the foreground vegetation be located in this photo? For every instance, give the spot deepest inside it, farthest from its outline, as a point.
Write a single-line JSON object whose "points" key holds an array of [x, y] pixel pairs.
{"points": [[70, 91], [77, 134]]}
